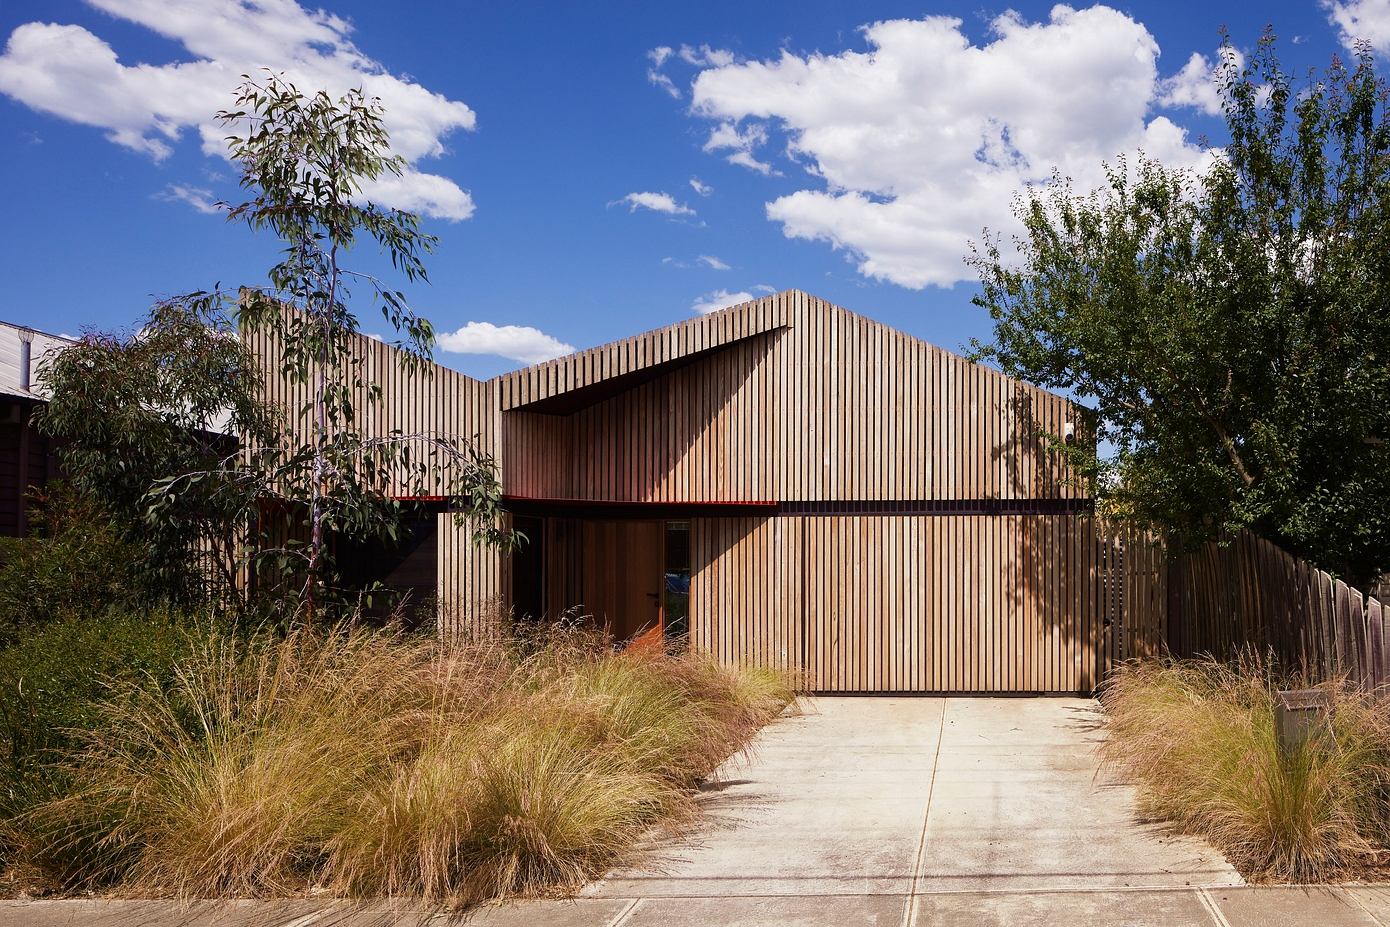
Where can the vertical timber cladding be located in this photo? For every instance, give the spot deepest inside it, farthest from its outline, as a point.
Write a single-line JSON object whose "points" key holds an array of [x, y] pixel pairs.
{"points": [[791, 400], [433, 402], [746, 581], [904, 603], [473, 582], [787, 398]]}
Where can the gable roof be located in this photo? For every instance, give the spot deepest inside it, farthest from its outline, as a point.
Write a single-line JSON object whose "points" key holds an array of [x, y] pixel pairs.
{"points": [[587, 375], [562, 385]]}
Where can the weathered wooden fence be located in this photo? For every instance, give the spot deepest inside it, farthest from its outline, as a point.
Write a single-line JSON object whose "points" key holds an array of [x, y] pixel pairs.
{"points": [[1249, 594]]}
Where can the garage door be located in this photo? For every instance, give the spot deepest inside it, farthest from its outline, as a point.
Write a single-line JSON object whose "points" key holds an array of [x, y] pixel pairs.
{"points": [[905, 603]]}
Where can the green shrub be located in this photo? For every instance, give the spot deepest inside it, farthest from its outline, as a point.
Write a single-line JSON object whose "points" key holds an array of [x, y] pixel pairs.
{"points": [[374, 761], [54, 683], [78, 563], [1198, 740]]}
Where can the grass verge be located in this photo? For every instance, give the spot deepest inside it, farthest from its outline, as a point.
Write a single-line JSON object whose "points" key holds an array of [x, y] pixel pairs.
{"points": [[377, 763], [1198, 740]]}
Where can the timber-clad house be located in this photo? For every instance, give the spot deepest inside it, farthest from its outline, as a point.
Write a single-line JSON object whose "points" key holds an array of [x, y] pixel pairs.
{"points": [[787, 483]]}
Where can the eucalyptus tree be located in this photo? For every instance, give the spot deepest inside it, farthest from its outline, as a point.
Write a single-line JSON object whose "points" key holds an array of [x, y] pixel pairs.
{"points": [[308, 162], [1230, 328]]}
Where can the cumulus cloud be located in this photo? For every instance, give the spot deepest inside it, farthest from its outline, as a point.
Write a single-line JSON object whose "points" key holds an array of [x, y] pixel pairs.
{"points": [[703, 189], [719, 299], [1361, 21], [514, 342], [1196, 85], [656, 202], [70, 72], [923, 138], [200, 198], [712, 262]]}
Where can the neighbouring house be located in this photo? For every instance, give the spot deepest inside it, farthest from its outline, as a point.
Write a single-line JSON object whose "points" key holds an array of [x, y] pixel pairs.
{"points": [[27, 460], [785, 482]]}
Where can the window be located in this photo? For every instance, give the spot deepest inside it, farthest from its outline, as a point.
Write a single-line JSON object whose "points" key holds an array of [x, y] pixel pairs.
{"points": [[675, 600]]}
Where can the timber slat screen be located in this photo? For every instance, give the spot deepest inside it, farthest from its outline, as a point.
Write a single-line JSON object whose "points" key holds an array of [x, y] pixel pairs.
{"points": [[955, 603], [919, 535], [473, 582], [924, 538], [792, 399], [799, 401], [428, 403]]}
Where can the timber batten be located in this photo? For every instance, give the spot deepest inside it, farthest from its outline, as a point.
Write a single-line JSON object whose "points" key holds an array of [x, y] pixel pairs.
{"points": [[859, 506], [829, 406]]}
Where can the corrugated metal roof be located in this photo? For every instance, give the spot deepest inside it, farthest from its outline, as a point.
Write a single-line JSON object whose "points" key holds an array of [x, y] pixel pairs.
{"points": [[11, 336]]}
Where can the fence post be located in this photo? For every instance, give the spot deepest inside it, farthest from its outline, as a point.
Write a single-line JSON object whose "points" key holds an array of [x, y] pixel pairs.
{"points": [[1300, 715], [1176, 583]]}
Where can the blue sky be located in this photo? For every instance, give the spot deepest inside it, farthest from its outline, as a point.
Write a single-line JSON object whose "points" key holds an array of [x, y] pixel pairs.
{"points": [[855, 164]]}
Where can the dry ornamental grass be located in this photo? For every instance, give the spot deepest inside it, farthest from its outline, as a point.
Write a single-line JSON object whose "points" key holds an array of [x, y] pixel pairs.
{"points": [[1198, 740], [376, 763]]}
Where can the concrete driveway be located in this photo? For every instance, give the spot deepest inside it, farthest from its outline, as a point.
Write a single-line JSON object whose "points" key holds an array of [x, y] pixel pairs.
{"points": [[909, 796]]}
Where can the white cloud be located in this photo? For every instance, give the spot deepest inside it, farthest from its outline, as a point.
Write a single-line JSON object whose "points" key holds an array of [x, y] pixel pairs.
{"points": [[706, 57], [719, 299], [199, 198], [69, 72], [728, 137], [656, 202], [426, 194], [1196, 85], [515, 342], [1361, 21], [658, 56], [703, 189], [708, 261], [923, 138]]}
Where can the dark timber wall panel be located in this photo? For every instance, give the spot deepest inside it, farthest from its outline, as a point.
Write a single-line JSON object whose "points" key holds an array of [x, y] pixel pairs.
{"points": [[958, 603], [833, 406], [27, 462]]}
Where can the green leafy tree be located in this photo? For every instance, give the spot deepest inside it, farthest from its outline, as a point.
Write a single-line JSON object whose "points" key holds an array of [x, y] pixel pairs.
{"points": [[1230, 328], [133, 413], [306, 159]]}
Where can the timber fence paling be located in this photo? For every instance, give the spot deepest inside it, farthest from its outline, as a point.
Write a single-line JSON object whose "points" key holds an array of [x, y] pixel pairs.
{"points": [[1249, 594]]}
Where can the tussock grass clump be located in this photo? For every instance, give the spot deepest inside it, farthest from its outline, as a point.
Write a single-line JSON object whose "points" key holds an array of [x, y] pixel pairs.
{"points": [[1198, 740], [375, 762]]}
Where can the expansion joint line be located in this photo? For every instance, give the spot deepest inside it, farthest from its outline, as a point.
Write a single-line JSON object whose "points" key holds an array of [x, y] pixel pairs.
{"points": [[1378, 918], [910, 906], [625, 913], [1209, 903]]}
